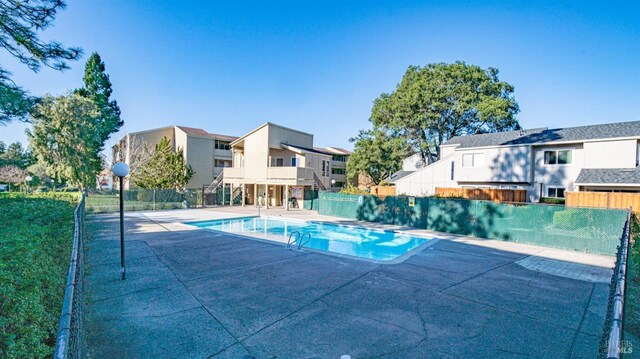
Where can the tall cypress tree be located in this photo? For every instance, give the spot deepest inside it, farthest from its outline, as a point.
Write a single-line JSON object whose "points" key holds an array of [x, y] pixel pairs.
{"points": [[97, 88]]}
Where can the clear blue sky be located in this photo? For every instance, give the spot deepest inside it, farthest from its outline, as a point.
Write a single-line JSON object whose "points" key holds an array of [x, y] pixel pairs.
{"points": [[229, 66]]}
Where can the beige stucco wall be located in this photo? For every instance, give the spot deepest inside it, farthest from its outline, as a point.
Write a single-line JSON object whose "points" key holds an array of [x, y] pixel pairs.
{"points": [[279, 135], [314, 160], [199, 153], [256, 154], [286, 155], [152, 138], [147, 138]]}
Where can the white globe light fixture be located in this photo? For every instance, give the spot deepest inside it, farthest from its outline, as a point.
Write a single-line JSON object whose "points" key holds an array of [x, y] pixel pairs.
{"points": [[121, 170], [333, 183], [28, 179]]}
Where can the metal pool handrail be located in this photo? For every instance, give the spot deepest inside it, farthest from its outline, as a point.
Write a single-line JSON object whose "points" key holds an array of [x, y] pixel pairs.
{"points": [[289, 242], [301, 243]]}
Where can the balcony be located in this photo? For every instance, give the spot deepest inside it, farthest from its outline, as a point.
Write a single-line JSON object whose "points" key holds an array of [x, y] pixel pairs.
{"points": [[234, 173], [338, 164], [289, 173]]}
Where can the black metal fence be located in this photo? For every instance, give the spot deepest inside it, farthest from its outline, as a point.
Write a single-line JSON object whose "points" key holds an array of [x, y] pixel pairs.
{"points": [[70, 341], [612, 344], [108, 201]]}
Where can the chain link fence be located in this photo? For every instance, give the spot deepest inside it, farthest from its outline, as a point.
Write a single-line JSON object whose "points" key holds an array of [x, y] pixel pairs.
{"points": [[70, 340], [142, 200], [592, 230], [612, 344], [155, 199]]}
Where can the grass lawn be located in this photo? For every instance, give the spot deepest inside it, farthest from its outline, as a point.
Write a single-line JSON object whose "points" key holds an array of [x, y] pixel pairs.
{"points": [[36, 235]]}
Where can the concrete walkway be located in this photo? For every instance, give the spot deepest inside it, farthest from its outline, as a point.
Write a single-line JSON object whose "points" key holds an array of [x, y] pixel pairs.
{"points": [[193, 293]]}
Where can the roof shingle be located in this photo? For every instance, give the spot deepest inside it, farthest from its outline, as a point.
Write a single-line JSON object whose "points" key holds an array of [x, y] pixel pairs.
{"points": [[544, 135], [609, 176]]}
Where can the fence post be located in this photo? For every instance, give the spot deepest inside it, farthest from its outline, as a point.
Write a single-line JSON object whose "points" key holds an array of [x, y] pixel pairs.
{"points": [[154, 199]]}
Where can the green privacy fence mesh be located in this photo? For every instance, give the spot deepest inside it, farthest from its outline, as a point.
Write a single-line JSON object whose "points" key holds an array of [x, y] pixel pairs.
{"points": [[310, 199], [593, 230]]}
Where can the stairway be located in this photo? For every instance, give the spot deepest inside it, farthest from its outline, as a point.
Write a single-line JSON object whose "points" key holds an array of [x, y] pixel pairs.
{"points": [[237, 195], [317, 183]]}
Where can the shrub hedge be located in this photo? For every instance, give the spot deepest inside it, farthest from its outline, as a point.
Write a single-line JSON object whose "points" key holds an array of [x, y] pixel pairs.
{"points": [[36, 236]]}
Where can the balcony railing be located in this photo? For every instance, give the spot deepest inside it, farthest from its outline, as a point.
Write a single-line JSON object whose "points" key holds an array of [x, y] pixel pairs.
{"points": [[293, 174], [289, 173], [233, 173]]}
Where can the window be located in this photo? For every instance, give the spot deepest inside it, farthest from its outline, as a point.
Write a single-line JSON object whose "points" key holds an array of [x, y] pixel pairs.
{"points": [[325, 168], [294, 162], [277, 162], [473, 160], [561, 157], [555, 192], [339, 158], [222, 145], [452, 167], [222, 163], [338, 171]]}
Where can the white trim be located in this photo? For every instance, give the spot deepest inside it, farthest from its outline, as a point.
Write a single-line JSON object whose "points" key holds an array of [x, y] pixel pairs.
{"points": [[554, 149], [424, 168], [547, 188], [607, 184], [552, 143]]}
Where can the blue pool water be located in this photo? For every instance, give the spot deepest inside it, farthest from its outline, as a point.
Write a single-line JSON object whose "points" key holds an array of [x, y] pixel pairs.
{"points": [[356, 241]]}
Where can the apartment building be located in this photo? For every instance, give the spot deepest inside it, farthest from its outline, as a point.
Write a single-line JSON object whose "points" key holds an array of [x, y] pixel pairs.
{"points": [[339, 157], [545, 162], [207, 153], [274, 165]]}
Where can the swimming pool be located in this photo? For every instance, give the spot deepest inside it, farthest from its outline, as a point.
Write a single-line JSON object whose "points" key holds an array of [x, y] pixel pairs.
{"points": [[350, 240]]}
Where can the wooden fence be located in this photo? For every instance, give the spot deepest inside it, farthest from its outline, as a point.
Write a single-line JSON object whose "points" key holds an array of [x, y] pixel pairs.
{"points": [[383, 191], [603, 199], [485, 194]]}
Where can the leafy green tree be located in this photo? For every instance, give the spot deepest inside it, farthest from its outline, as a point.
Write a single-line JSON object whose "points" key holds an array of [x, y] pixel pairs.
{"points": [[66, 140], [165, 169], [38, 172], [439, 101], [15, 155], [376, 154], [19, 23], [97, 87]]}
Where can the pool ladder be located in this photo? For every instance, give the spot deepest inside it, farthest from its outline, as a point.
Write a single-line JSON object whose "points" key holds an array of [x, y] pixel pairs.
{"points": [[298, 237]]}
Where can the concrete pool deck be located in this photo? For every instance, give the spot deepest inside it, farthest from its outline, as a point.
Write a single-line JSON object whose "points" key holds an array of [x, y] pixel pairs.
{"points": [[195, 293]]}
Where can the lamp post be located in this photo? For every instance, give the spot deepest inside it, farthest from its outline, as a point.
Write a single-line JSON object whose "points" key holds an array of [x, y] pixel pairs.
{"points": [[121, 170], [27, 180], [333, 184]]}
